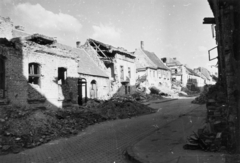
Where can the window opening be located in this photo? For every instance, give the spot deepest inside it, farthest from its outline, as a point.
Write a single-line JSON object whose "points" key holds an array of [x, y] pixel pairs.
{"points": [[34, 73], [121, 73], [129, 72], [62, 75]]}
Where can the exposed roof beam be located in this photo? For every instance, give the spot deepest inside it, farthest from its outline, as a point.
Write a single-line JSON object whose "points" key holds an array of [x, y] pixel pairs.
{"points": [[97, 47]]}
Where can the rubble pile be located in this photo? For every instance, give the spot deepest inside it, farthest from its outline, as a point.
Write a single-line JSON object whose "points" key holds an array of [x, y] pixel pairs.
{"points": [[202, 98], [215, 92], [120, 107], [179, 89], [218, 131], [22, 129]]}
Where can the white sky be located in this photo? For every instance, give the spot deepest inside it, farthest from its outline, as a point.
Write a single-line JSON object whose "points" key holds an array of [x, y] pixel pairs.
{"points": [[170, 28]]}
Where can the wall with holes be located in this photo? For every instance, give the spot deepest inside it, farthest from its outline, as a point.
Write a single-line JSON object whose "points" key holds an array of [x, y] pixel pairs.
{"points": [[50, 87]]}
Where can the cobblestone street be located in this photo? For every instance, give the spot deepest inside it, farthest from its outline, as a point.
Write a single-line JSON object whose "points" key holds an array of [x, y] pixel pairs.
{"points": [[105, 142]]}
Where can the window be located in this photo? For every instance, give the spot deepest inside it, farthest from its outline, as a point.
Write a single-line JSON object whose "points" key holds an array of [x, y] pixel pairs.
{"points": [[121, 73], [62, 75], [129, 72], [2, 77], [34, 73]]}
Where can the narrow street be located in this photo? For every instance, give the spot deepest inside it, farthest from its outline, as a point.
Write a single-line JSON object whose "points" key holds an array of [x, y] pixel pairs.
{"points": [[105, 142]]}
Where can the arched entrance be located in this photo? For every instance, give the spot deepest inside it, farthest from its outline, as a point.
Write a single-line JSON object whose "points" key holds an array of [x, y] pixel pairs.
{"points": [[93, 89]]}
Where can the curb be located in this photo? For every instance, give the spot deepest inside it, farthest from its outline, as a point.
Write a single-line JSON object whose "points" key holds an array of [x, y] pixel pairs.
{"points": [[166, 100], [130, 156], [148, 103], [129, 153]]}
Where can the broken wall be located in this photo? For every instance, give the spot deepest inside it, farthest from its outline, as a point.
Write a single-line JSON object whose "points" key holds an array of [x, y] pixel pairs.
{"points": [[6, 27], [126, 62], [55, 92], [48, 92]]}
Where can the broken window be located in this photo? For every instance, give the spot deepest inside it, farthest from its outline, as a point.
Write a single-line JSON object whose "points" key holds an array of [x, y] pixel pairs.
{"points": [[129, 72], [2, 77], [34, 73], [62, 75], [121, 73]]}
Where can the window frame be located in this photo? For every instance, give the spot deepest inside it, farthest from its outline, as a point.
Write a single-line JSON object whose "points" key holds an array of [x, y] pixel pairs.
{"points": [[34, 71], [129, 72]]}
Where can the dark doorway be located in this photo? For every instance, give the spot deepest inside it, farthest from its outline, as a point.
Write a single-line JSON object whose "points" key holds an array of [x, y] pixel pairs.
{"points": [[94, 89], [82, 90]]}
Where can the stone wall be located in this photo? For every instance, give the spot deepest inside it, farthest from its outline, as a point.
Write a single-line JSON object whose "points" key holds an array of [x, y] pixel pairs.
{"points": [[49, 93], [15, 82], [56, 93], [103, 86]]}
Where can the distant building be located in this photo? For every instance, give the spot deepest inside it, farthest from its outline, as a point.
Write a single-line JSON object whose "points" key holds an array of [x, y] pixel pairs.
{"points": [[209, 79], [150, 67], [183, 74]]}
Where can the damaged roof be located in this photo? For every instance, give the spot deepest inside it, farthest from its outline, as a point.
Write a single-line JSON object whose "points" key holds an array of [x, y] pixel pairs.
{"points": [[40, 39], [51, 46], [86, 64], [112, 48]]}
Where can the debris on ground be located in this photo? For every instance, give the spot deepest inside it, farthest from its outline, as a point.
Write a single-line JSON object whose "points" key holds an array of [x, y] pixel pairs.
{"points": [[218, 131], [29, 128], [120, 107], [22, 128], [215, 92], [180, 90], [202, 98]]}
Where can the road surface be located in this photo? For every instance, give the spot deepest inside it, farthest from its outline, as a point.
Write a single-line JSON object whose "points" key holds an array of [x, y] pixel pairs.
{"points": [[104, 142]]}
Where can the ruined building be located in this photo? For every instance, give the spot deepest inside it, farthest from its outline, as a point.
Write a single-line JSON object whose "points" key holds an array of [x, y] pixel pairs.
{"points": [[183, 74], [37, 71], [119, 63]]}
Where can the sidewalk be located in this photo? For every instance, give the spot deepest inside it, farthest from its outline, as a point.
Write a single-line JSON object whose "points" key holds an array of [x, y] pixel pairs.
{"points": [[166, 144]]}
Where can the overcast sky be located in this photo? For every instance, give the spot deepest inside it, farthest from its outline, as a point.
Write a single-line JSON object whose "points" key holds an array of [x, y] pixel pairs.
{"points": [[170, 28]]}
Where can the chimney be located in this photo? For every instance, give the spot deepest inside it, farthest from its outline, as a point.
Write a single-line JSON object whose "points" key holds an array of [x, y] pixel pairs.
{"points": [[78, 43], [142, 45]]}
